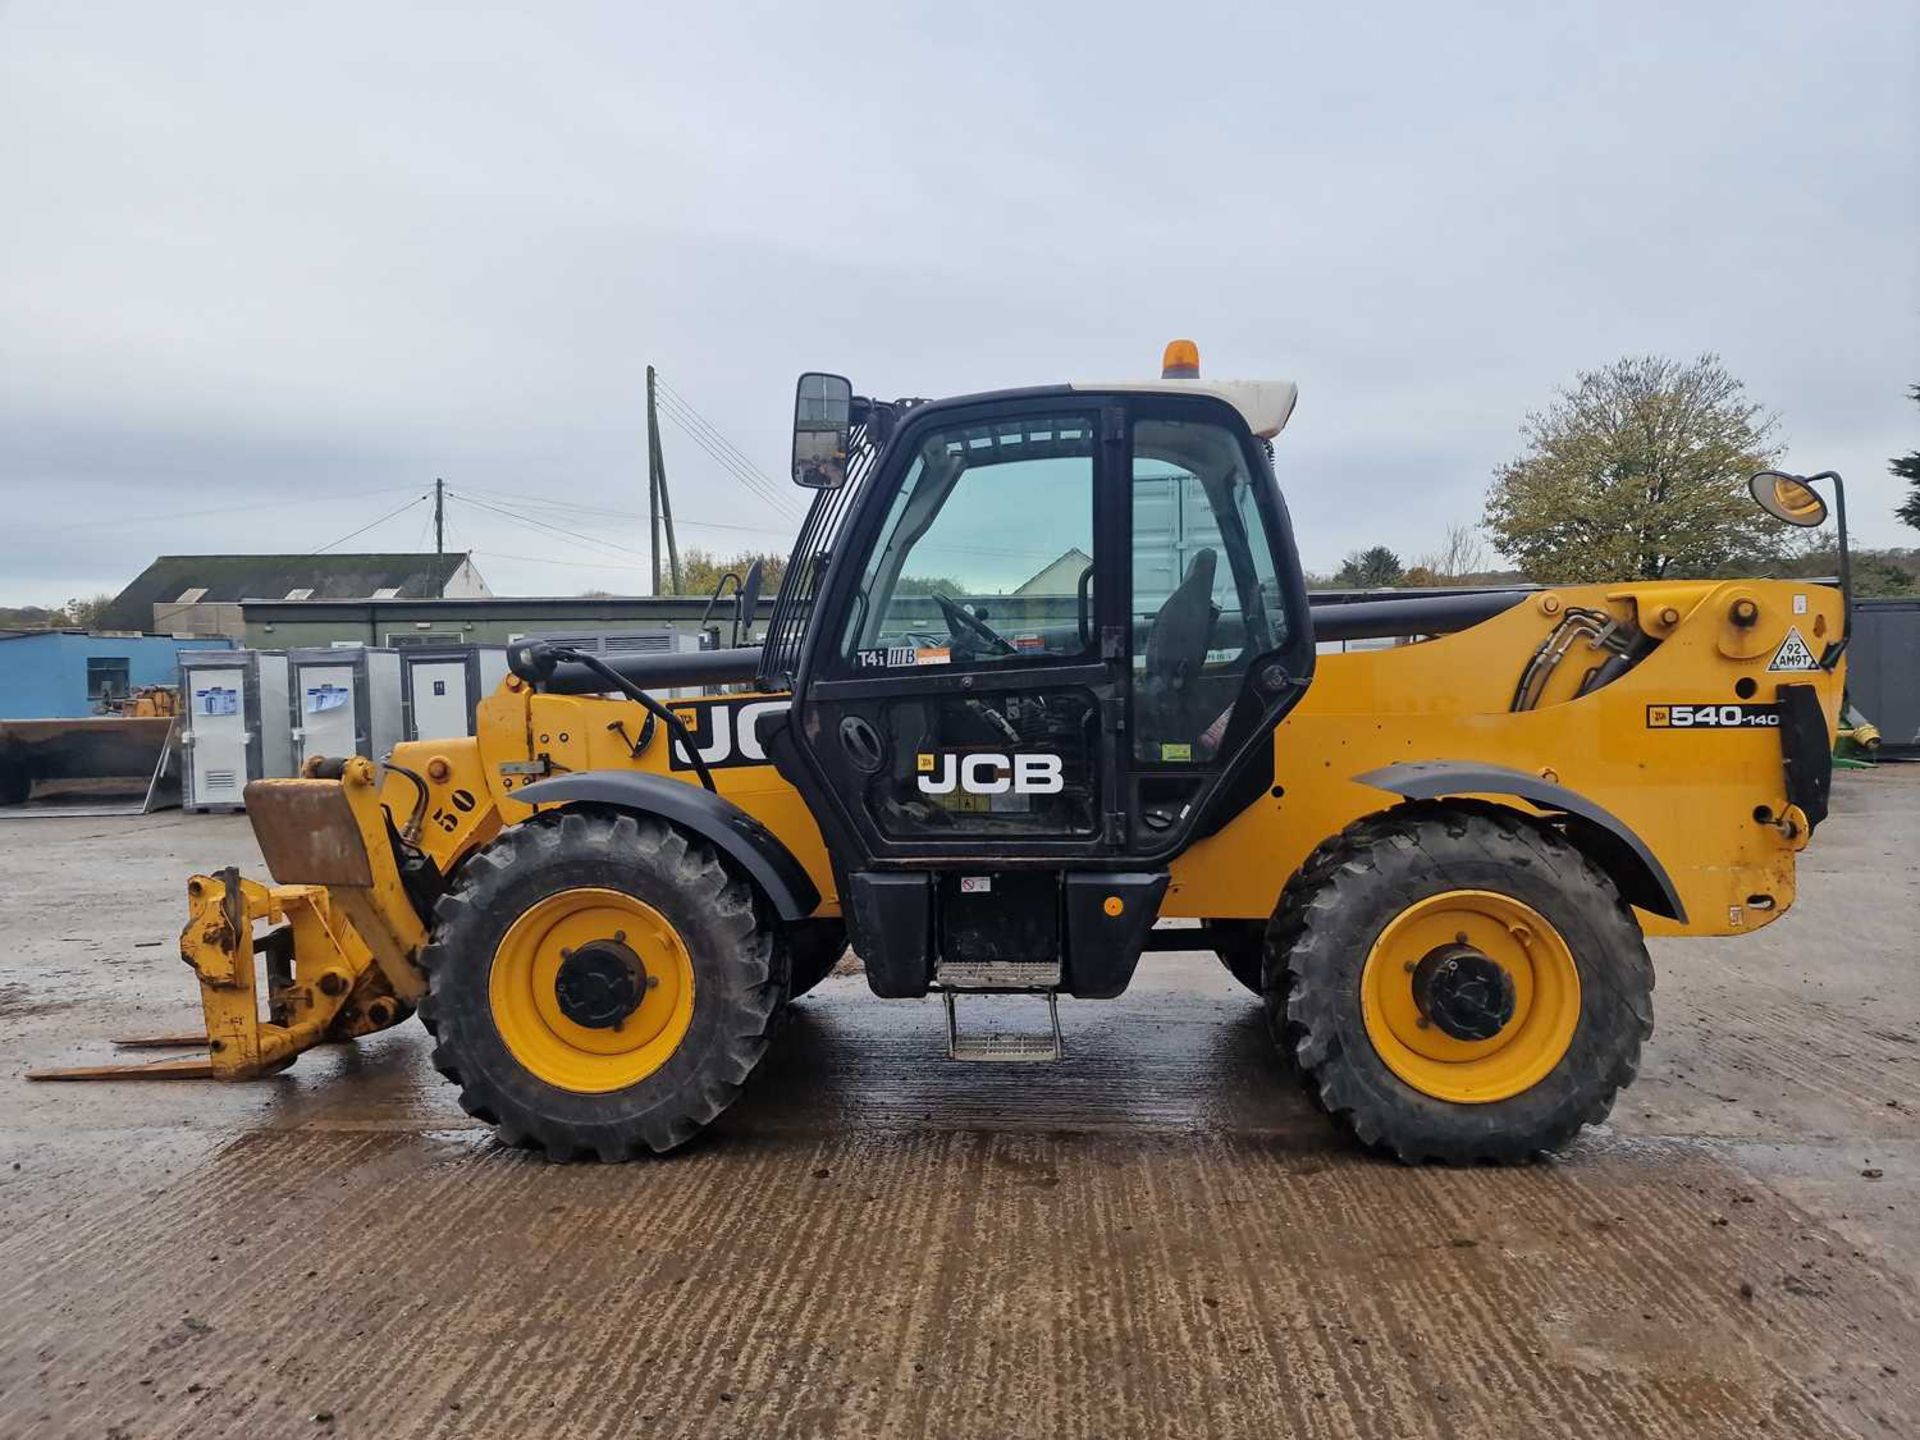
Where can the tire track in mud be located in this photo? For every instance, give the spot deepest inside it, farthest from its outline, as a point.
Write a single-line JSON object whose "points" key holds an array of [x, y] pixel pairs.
{"points": [[1771, 1049]]}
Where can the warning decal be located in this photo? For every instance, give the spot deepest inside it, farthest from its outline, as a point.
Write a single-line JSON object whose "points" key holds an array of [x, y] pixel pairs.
{"points": [[1794, 654]]}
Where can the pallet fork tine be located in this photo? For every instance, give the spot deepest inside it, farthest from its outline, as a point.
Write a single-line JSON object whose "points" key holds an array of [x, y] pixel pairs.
{"points": [[337, 951]]}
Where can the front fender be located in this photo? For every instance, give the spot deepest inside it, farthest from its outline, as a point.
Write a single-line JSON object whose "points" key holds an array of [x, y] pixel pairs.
{"points": [[743, 839], [1611, 844]]}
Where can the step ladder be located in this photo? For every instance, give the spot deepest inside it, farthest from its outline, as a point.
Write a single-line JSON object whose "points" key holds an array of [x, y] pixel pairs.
{"points": [[1002, 977]]}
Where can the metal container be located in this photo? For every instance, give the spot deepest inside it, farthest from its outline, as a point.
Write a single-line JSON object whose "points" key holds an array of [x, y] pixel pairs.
{"points": [[345, 701], [233, 724], [441, 685], [1883, 670]]}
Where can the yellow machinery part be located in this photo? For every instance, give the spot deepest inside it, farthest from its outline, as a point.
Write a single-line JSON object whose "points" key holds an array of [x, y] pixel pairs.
{"points": [[1522, 942], [526, 1011], [1709, 802], [346, 943]]}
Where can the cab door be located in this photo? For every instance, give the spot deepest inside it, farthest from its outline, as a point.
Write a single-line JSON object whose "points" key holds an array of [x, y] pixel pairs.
{"points": [[958, 698], [1220, 643], [1060, 627]]}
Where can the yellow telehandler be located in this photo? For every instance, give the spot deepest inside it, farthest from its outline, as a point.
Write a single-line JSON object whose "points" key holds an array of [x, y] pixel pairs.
{"points": [[1042, 673]]}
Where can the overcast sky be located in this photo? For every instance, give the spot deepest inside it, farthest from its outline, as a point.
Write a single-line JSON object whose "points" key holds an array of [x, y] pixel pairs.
{"points": [[295, 265]]}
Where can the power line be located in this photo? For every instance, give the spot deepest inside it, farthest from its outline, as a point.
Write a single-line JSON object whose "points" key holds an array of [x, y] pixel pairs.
{"points": [[543, 525], [329, 498], [751, 482], [542, 502], [713, 430], [724, 452], [369, 525], [555, 560]]}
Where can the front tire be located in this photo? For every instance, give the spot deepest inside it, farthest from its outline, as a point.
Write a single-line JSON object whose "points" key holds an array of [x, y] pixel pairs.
{"points": [[599, 984], [1458, 983]]}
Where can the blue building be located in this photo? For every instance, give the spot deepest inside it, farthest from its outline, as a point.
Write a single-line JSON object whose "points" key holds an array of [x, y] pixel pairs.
{"points": [[63, 674]]}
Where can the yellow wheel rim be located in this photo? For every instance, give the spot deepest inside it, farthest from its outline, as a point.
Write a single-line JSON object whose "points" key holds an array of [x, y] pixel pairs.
{"points": [[521, 990], [1546, 997]]}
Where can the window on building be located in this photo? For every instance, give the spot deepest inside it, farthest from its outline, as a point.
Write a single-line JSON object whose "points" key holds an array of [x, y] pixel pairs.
{"points": [[305, 592], [108, 678], [387, 592], [191, 597]]}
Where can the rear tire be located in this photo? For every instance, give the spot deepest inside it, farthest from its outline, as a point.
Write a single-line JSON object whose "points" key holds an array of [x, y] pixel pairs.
{"points": [[578, 1092], [1333, 981]]}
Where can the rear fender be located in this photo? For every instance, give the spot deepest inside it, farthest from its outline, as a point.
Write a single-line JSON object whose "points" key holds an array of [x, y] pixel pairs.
{"points": [[1601, 835], [736, 834]]}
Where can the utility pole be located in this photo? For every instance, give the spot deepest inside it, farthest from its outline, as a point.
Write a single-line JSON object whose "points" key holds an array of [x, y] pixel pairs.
{"points": [[659, 507], [439, 516]]}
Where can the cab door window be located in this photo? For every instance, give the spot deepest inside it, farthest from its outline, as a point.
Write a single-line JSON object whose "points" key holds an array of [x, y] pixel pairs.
{"points": [[1206, 594], [986, 554]]}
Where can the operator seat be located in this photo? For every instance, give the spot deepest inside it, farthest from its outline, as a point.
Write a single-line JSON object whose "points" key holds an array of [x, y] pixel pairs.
{"points": [[1176, 648]]}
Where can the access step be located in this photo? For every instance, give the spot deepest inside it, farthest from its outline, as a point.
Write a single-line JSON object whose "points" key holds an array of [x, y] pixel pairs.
{"points": [[1004, 975], [997, 1047]]}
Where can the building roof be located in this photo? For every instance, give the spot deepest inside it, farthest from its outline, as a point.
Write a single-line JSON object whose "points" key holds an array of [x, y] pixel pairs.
{"points": [[1057, 577], [223, 579]]}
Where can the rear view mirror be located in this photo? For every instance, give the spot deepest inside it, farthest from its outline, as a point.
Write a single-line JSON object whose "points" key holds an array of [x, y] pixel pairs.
{"points": [[822, 429], [1789, 498]]}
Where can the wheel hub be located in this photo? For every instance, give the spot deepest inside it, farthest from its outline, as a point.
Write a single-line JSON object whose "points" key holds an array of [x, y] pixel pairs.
{"points": [[600, 984], [1464, 992]]}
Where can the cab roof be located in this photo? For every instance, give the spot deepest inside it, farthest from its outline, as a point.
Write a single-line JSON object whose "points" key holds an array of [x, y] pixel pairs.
{"points": [[1263, 404]]}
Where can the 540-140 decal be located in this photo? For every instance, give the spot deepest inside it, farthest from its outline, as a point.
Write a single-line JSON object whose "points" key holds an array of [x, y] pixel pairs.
{"points": [[1713, 717]]}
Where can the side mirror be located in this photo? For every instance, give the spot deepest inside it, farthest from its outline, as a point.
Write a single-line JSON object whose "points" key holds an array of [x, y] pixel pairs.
{"points": [[822, 430], [1789, 498]]}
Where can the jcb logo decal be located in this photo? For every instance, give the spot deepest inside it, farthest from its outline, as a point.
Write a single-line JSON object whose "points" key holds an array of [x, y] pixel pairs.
{"points": [[726, 734], [990, 773]]}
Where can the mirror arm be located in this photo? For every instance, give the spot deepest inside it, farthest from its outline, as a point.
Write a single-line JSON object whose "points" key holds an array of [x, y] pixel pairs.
{"points": [[1846, 557]]}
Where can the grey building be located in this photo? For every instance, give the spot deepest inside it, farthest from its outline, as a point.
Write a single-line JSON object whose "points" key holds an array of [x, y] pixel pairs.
{"points": [[491, 620], [203, 594]]}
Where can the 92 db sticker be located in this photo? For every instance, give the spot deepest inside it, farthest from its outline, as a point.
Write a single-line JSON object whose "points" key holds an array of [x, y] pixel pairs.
{"points": [[1713, 717]]}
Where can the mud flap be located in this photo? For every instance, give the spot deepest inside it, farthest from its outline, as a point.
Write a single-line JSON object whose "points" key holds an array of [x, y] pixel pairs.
{"points": [[1806, 748]]}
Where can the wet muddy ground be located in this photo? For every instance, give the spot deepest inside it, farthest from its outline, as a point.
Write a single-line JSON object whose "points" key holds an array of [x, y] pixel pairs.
{"points": [[1157, 1237]]}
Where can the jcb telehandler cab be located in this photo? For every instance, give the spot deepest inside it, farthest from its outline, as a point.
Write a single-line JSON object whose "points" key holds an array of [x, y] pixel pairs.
{"points": [[1040, 674]]}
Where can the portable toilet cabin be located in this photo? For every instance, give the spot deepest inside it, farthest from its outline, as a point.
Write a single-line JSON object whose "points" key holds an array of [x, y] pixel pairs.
{"points": [[233, 724], [345, 701], [441, 684]]}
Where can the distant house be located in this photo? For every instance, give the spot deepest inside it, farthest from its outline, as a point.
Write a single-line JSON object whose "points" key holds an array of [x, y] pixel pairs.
{"points": [[201, 594], [1058, 577]]}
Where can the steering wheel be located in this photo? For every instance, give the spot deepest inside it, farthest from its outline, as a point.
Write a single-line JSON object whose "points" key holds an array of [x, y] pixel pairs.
{"points": [[959, 619]]}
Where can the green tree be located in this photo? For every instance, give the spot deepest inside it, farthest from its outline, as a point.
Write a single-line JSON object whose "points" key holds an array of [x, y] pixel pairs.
{"points": [[84, 612], [1637, 471], [1907, 467], [928, 585], [700, 570], [1369, 569]]}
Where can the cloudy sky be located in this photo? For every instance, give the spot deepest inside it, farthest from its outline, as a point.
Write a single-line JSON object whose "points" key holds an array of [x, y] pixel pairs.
{"points": [[267, 270]]}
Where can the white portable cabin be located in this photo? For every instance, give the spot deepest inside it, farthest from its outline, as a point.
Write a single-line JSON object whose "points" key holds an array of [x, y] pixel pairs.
{"points": [[233, 724], [441, 685], [345, 701]]}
